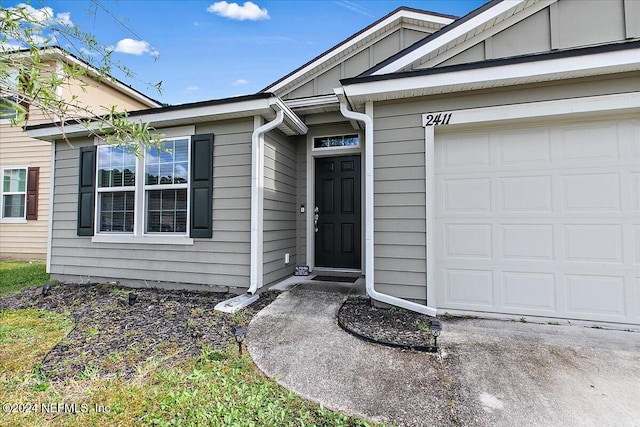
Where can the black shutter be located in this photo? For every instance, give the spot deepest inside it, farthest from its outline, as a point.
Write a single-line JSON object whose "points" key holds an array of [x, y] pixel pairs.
{"points": [[201, 185], [86, 190], [33, 175]]}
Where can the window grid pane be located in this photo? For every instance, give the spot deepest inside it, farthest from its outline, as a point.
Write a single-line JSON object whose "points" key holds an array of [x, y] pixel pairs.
{"points": [[116, 166], [117, 210], [13, 206], [167, 211], [169, 164], [15, 180]]}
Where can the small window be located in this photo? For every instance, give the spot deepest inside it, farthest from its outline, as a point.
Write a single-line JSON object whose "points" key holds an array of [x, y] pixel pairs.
{"points": [[340, 141], [14, 192]]}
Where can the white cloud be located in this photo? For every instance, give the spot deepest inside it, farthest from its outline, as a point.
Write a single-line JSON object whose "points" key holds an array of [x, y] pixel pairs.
{"points": [[248, 11], [135, 47], [240, 82], [44, 15], [192, 89]]}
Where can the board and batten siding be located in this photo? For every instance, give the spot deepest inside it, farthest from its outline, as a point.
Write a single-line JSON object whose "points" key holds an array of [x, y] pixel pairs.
{"points": [[358, 61], [280, 190], [223, 260], [399, 171]]}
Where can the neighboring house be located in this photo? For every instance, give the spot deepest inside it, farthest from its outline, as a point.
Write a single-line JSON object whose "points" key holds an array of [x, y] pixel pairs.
{"points": [[488, 164], [25, 163]]}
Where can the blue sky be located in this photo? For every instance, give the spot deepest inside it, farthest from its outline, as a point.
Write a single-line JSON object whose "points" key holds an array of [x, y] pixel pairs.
{"points": [[215, 49]]}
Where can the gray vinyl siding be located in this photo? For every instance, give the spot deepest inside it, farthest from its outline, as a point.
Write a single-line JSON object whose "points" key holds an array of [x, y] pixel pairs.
{"points": [[399, 205], [280, 218], [563, 25], [301, 223], [223, 260], [399, 175]]}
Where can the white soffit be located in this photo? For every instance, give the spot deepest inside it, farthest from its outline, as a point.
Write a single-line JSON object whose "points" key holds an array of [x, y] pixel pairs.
{"points": [[550, 69], [349, 44]]}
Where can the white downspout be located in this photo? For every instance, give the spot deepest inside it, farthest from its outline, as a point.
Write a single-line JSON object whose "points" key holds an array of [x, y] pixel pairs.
{"points": [[368, 202], [257, 194]]}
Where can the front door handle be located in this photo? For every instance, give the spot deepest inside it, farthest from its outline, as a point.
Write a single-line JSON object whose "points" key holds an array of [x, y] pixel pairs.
{"points": [[316, 216]]}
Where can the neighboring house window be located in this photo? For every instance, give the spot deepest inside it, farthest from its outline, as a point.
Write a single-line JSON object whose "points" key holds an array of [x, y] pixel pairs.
{"points": [[166, 192], [8, 108], [339, 141], [14, 193], [19, 193]]}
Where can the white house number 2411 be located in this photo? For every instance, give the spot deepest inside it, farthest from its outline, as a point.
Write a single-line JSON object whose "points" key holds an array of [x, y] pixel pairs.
{"points": [[438, 119]]}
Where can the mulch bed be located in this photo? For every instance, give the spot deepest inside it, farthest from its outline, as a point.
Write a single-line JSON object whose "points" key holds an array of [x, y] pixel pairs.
{"points": [[389, 326], [164, 328], [111, 337]]}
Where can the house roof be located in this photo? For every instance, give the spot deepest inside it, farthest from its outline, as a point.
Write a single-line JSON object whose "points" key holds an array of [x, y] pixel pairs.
{"points": [[71, 59], [262, 103], [485, 20], [318, 62], [530, 68]]}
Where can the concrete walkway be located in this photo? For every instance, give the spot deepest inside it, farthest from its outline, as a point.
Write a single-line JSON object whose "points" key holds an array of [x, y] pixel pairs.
{"points": [[488, 373]]}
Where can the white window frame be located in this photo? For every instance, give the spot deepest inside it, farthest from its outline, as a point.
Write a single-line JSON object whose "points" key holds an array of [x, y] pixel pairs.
{"points": [[7, 121], [339, 148], [139, 223], [23, 218]]}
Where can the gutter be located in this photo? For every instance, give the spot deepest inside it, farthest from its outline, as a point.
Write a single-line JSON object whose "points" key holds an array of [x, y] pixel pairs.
{"points": [[369, 194]]}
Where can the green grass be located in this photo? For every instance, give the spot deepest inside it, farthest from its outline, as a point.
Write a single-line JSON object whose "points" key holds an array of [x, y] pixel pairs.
{"points": [[221, 388], [18, 275]]}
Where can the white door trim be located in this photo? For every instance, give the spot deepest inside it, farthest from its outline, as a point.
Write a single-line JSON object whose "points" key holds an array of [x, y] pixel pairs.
{"points": [[311, 188]]}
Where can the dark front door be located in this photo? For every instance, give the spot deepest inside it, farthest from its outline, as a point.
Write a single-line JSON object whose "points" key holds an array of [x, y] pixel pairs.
{"points": [[337, 209]]}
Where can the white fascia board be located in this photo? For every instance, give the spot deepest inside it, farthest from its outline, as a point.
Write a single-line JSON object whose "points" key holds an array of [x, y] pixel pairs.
{"points": [[549, 69], [618, 102], [401, 14], [250, 107], [449, 36]]}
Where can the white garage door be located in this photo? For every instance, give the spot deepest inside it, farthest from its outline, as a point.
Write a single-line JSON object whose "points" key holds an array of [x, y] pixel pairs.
{"points": [[540, 221]]}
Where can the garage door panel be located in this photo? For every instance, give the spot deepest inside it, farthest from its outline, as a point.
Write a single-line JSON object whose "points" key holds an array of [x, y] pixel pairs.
{"points": [[469, 287], [635, 191], [586, 142], [467, 240], [595, 294], [465, 152], [591, 191], [527, 290], [526, 194], [524, 147], [465, 195], [548, 225], [593, 243], [527, 242]]}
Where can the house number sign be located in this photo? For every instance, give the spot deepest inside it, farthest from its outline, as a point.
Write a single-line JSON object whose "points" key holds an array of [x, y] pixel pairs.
{"points": [[437, 119]]}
